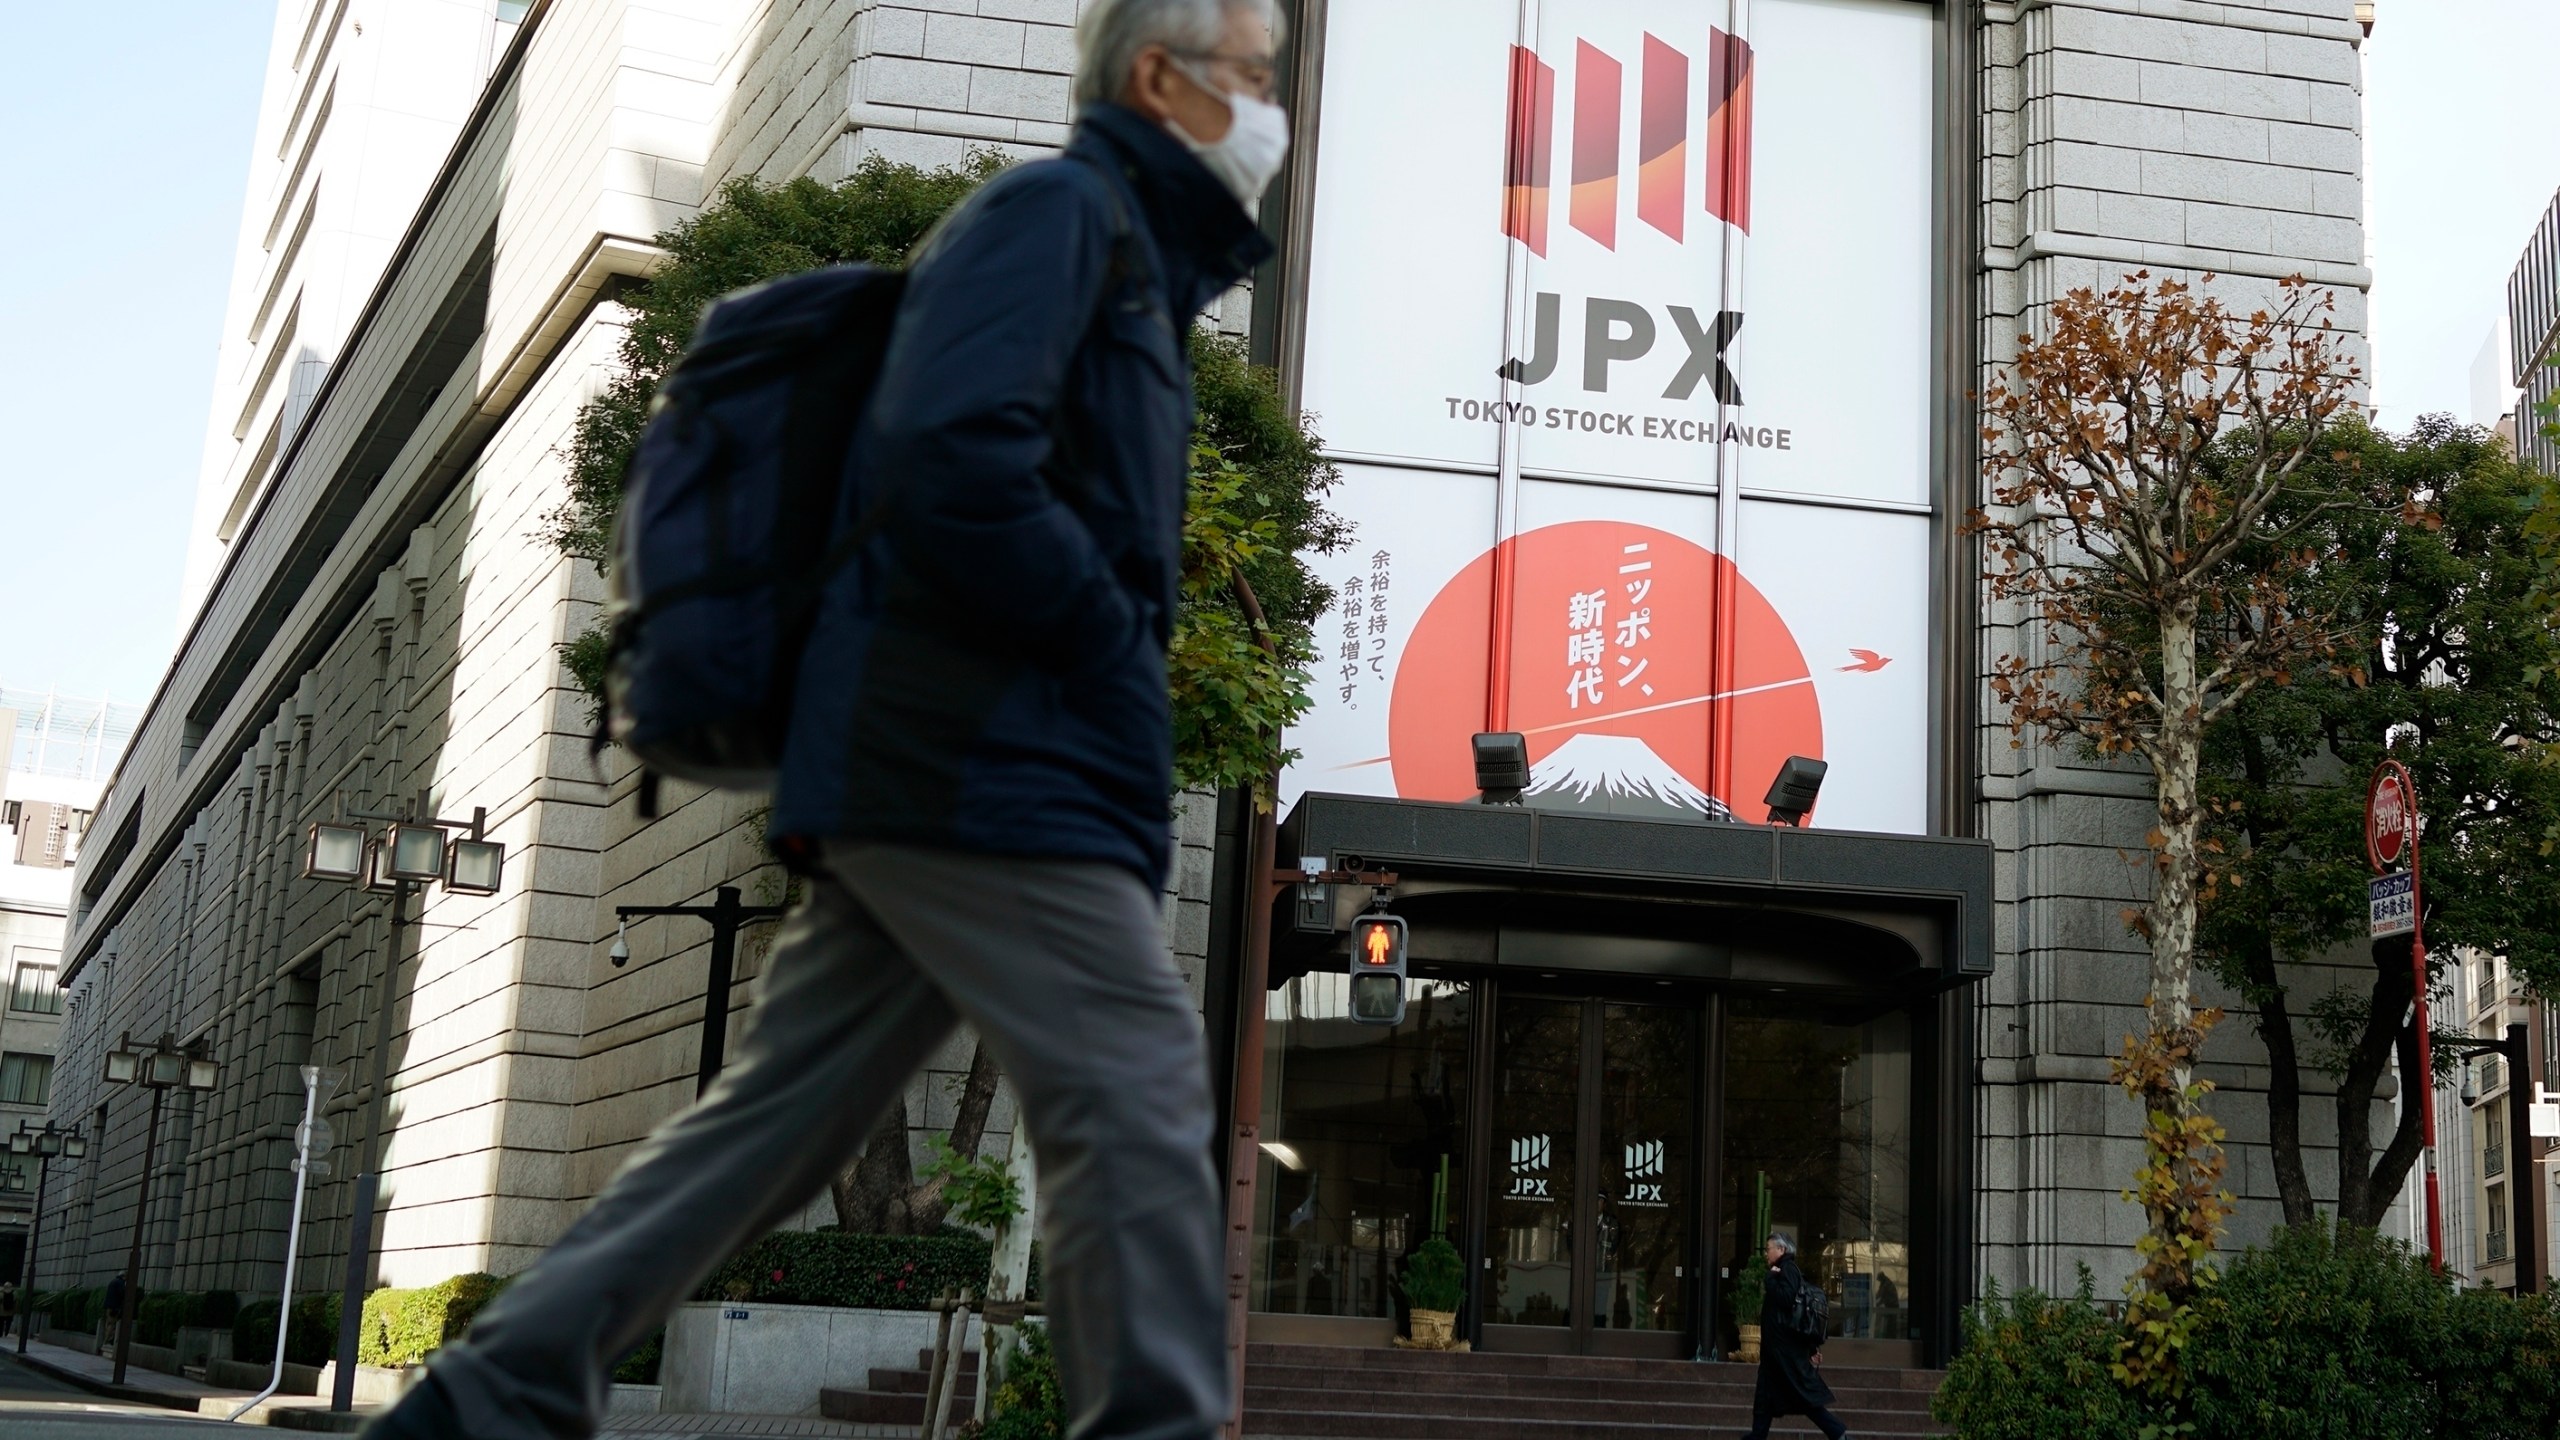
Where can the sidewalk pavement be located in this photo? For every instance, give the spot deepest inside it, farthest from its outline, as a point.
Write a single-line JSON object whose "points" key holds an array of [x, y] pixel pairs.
{"points": [[183, 1398]]}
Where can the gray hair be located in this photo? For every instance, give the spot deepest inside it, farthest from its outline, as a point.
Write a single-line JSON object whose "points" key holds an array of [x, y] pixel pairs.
{"points": [[1785, 1242], [1112, 33]]}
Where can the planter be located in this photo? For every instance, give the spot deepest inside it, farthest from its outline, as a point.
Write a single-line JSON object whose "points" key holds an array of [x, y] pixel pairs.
{"points": [[750, 1358], [1749, 1354], [633, 1399], [1432, 1329]]}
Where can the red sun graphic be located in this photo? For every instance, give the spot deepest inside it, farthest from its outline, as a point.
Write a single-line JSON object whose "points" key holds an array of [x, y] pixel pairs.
{"points": [[1613, 675]]}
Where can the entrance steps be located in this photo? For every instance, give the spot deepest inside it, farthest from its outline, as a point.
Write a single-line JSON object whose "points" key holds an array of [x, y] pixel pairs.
{"points": [[896, 1397], [1319, 1392]]}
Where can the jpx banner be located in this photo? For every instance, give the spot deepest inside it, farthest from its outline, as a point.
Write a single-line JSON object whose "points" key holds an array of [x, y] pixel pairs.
{"points": [[1618, 322]]}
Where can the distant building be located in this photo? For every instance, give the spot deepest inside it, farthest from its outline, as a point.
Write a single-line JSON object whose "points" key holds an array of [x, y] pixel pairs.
{"points": [[2493, 388], [59, 752], [2533, 323], [2476, 1169]]}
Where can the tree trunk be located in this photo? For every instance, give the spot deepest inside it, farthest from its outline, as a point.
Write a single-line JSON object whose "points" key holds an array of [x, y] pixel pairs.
{"points": [[879, 1195], [2368, 1184], [872, 1197], [968, 1127], [2284, 1087], [2180, 1187]]}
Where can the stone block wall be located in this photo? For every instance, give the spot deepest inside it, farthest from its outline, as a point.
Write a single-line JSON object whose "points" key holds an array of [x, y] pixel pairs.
{"points": [[2185, 139]]}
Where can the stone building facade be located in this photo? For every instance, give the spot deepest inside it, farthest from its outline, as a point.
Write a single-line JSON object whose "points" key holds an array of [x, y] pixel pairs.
{"points": [[380, 617], [2183, 140]]}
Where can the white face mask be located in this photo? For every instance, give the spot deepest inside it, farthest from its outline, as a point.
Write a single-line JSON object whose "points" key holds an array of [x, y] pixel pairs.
{"points": [[1257, 140]]}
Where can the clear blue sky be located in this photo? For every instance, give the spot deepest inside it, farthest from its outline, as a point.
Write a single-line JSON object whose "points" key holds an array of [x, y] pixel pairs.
{"points": [[129, 128], [132, 126]]}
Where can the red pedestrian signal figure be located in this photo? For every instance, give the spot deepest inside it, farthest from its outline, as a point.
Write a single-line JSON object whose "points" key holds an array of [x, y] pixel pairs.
{"points": [[1377, 970]]}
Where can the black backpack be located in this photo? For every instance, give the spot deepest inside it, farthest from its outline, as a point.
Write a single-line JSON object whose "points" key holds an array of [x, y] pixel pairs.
{"points": [[723, 547], [1812, 1317]]}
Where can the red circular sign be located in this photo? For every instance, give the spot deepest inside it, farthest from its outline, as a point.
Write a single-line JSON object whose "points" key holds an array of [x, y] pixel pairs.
{"points": [[2390, 818], [1612, 676]]}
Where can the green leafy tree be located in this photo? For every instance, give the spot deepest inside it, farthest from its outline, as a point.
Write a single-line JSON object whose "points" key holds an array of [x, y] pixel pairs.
{"points": [[2450, 666], [1241, 637]]}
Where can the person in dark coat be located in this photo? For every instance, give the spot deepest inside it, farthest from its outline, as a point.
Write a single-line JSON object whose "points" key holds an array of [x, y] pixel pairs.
{"points": [[976, 784], [1790, 1382]]}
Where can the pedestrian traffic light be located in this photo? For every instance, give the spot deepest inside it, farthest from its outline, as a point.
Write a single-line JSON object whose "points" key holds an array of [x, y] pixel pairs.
{"points": [[1377, 970]]}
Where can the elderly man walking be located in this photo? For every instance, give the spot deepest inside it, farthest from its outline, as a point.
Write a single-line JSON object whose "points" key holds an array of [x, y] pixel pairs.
{"points": [[977, 778]]}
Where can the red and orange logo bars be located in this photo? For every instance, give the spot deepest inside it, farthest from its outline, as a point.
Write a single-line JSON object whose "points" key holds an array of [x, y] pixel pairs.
{"points": [[1662, 141]]}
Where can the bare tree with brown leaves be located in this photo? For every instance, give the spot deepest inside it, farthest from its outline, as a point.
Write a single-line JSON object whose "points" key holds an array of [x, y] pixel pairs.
{"points": [[2135, 454]]}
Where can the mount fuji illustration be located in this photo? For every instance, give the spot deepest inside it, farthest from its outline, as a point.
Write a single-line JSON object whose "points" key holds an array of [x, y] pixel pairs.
{"points": [[1619, 775]]}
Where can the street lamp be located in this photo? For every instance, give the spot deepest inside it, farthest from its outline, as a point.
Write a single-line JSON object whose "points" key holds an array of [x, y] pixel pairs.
{"points": [[415, 849], [727, 916], [68, 1142], [164, 1066], [2521, 1184]]}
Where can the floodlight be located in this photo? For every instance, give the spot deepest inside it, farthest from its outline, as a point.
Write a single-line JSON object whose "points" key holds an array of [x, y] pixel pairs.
{"points": [[74, 1145], [1502, 767], [124, 1063], [473, 867], [162, 1069], [1791, 795], [336, 852], [416, 853], [376, 856], [22, 1143]]}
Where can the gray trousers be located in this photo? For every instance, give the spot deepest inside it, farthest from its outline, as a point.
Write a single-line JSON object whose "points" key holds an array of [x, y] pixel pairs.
{"points": [[1061, 968]]}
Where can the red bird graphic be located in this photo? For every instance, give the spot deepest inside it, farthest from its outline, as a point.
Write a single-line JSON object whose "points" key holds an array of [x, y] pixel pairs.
{"points": [[1868, 661]]}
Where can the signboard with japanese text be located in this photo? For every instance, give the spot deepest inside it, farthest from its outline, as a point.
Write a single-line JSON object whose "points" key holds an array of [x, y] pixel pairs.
{"points": [[1618, 325], [2391, 903]]}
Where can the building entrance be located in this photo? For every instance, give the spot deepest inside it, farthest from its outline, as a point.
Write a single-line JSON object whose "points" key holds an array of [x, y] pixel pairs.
{"points": [[1606, 1160], [1589, 1223]]}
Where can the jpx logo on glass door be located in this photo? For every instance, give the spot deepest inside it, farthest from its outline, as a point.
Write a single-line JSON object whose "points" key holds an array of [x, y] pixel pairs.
{"points": [[1531, 1155], [1645, 1163]]}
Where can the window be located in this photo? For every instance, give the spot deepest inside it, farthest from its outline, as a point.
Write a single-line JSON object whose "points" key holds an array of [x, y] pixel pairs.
{"points": [[2493, 1138], [32, 989], [25, 1079], [2495, 1241]]}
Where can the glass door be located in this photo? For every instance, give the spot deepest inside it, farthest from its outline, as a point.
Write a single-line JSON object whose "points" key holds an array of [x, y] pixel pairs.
{"points": [[1817, 1143], [1643, 1208], [1590, 1223], [1533, 1225]]}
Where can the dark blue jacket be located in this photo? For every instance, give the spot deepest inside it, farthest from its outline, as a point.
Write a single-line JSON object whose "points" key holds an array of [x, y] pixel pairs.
{"points": [[990, 674]]}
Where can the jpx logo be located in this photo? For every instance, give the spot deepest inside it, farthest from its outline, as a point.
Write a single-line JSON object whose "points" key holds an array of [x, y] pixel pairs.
{"points": [[1662, 141], [1618, 331], [1645, 1160], [1530, 1157]]}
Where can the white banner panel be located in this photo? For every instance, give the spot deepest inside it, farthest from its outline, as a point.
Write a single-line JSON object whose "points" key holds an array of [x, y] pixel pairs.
{"points": [[1629, 267]]}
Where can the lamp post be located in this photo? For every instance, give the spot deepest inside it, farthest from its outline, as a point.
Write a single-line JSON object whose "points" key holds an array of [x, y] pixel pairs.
{"points": [[2521, 1183], [44, 1144], [414, 850], [727, 916], [163, 1067]]}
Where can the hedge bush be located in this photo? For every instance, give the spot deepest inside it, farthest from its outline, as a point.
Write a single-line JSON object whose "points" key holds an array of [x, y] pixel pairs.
{"points": [[311, 1338], [159, 1318], [402, 1327], [2329, 1333], [76, 1311], [878, 1272], [2035, 1368]]}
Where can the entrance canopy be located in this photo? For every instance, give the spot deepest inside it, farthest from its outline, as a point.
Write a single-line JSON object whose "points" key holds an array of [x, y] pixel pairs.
{"points": [[1515, 886]]}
